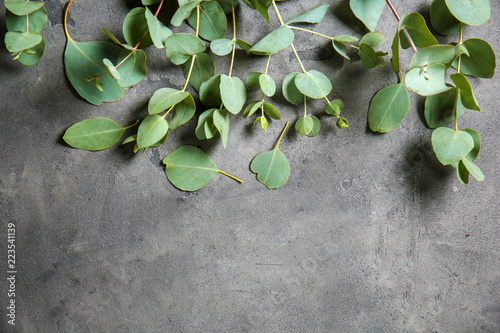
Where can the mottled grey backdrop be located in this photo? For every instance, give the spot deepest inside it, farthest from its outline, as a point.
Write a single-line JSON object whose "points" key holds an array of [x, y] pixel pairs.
{"points": [[368, 234]]}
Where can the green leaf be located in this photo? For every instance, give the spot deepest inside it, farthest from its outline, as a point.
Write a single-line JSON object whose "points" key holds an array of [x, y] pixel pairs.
{"points": [[165, 98], [31, 56], [133, 69], [267, 85], [290, 90], [212, 20], [339, 44], [440, 109], [149, 2], [83, 61], [373, 39], [277, 40], [263, 122], [130, 139], [271, 111], [473, 169], [261, 6], [313, 84], [184, 12], [189, 168], [203, 69], [334, 107], [368, 55], [313, 15], [342, 123], [157, 30], [202, 128], [36, 21], [481, 61], [388, 108], [251, 108], [466, 93], [316, 127], [233, 93], [94, 134], [368, 11], [210, 94], [472, 155], [221, 122], [435, 54], [111, 68], [227, 5], [272, 167], [253, 80], [442, 19], [304, 125], [151, 130], [221, 46], [17, 41], [135, 28], [180, 47], [182, 112], [243, 45], [471, 12], [395, 52], [416, 27], [451, 146], [22, 8]]}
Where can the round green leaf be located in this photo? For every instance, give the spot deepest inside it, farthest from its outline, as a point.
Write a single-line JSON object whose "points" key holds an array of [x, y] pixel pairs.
{"points": [[189, 168], [442, 19], [151, 130], [368, 11], [313, 84], [451, 146], [233, 93], [253, 80], [212, 20], [31, 56], [272, 168], [428, 80], [440, 109], [22, 8], [267, 85], [334, 107], [368, 55], [373, 39], [180, 47], [304, 125], [435, 54], [210, 94], [17, 41], [182, 112], [36, 21], [471, 12], [290, 90], [481, 61], [221, 46], [133, 69], [203, 69], [135, 28], [388, 108], [94, 134], [316, 127], [165, 98], [183, 12]]}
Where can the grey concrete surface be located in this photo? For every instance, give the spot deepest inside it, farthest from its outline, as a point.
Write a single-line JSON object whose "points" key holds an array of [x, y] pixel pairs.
{"points": [[368, 234]]}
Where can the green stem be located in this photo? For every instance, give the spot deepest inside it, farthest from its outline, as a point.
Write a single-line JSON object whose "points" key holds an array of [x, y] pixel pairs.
{"points": [[298, 58], [282, 133], [233, 52], [230, 176], [168, 111], [458, 71], [197, 20], [310, 31], [305, 106], [278, 13], [27, 24], [268, 62], [189, 73], [136, 122]]}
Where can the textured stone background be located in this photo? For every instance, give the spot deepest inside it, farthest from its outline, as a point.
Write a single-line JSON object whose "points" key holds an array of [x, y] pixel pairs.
{"points": [[368, 234]]}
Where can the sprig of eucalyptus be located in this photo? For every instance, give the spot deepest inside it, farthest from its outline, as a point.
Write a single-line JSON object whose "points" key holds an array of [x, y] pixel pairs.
{"points": [[103, 71]]}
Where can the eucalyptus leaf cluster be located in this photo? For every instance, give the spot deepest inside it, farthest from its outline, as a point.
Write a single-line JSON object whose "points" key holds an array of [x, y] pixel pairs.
{"points": [[102, 71], [25, 21]]}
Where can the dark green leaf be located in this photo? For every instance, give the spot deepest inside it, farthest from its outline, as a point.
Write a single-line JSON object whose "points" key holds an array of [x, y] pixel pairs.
{"points": [[442, 19], [416, 27], [203, 69], [466, 93], [395, 52], [261, 6], [133, 69], [290, 90], [212, 20], [253, 80], [471, 12], [201, 128], [373, 39], [440, 109], [313, 15], [388, 108], [31, 56], [243, 45], [157, 30], [22, 8], [251, 108], [149, 2], [316, 127], [221, 46], [271, 111], [334, 107], [135, 28], [94, 134], [210, 94], [221, 122], [368, 55], [36, 21], [182, 112], [481, 61]]}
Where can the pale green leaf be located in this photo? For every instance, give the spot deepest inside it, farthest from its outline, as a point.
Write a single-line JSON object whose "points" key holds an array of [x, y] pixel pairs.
{"points": [[368, 11], [17, 41], [271, 111], [135, 28], [183, 12], [388, 108], [471, 12], [313, 15], [165, 98], [316, 127], [22, 8], [94, 134], [151, 130], [439, 109], [416, 27], [304, 125], [133, 68], [451, 146], [182, 112], [481, 61], [210, 94], [157, 30], [212, 20], [267, 85], [203, 69], [221, 122], [181, 46], [277, 40], [233, 93], [313, 84], [221, 46]]}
